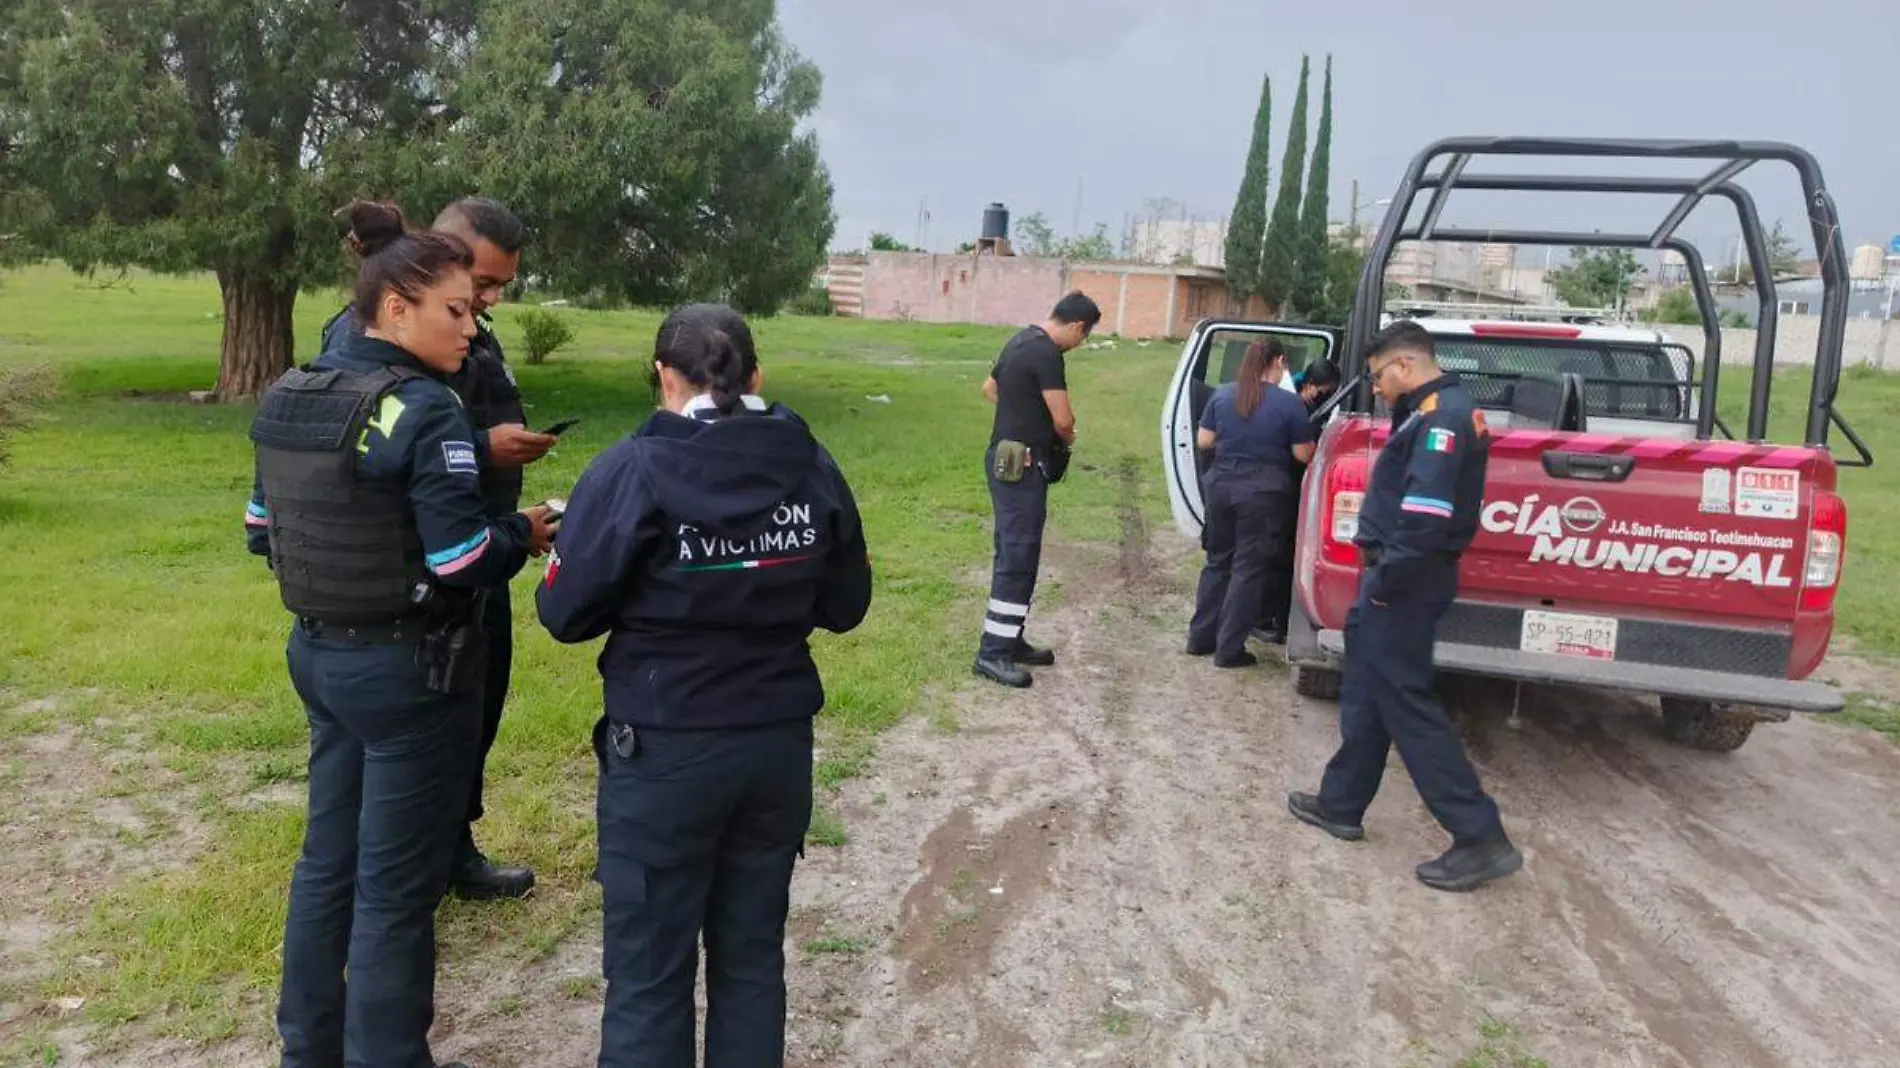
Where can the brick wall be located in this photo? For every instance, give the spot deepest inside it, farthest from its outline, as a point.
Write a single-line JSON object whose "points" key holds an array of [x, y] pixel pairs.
{"points": [[1137, 301]]}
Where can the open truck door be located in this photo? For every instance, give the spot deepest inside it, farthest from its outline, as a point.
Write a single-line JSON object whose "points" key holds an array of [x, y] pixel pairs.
{"points": [[1209, 361]]}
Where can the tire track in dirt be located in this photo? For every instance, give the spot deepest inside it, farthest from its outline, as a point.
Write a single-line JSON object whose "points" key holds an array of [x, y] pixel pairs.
{"points": [[1101, 871]]}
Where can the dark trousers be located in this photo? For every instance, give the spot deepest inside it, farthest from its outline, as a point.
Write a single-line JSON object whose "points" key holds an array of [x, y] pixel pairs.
{"points": [[1021, 510], [1245, 511], [699, 831], [389, 774], [498, 625], [1386, 698], [1276, 604]]}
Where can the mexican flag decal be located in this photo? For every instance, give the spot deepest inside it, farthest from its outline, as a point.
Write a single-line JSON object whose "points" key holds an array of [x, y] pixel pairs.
{"points": [[1438, 439], [748, 565]]}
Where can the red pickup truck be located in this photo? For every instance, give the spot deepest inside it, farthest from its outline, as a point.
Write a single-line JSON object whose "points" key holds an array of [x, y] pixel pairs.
{"points": [[1628, 539]]}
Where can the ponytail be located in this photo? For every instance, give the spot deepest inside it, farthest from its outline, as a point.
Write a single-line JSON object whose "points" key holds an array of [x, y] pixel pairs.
{"points": [[1250, 381], [710, 346]]}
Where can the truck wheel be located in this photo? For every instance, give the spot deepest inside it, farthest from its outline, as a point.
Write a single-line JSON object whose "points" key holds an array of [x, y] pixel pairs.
{"points": [[1319, 682], [1705, 725]]}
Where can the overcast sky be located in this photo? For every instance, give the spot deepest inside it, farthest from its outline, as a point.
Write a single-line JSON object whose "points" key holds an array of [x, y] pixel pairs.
{"points": [[960, 102]]}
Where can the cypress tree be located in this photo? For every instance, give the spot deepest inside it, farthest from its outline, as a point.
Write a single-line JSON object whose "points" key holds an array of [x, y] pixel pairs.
{"points": [[1280, 259], [1309, 293], [1247, 228]]}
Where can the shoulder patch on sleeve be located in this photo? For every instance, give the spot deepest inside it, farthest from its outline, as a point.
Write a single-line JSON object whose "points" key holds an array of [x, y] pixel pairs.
{"points": [[1438, 439], [1428, 405], [459, 458], [1478, 427]]}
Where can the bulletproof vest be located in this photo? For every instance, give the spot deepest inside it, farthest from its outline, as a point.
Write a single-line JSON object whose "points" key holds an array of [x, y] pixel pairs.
{"points": [[489, 394], [344, 549]]}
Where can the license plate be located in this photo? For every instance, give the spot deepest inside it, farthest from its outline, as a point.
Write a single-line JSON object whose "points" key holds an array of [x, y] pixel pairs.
{"points": [[1592, 637]]}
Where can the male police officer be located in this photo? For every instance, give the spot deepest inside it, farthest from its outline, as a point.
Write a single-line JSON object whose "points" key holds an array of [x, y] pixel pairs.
{"points": [[1420, 513], [1029, 386], [503, 446]]}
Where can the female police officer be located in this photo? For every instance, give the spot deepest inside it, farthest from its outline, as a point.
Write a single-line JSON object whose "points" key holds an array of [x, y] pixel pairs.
{"points": [[369, 507], [1256, 431], [1314, 386], [707, 546]]}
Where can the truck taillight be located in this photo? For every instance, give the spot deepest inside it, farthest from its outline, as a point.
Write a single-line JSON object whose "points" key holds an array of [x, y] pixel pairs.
{"points": [[1345, 493], [1827, 542]]}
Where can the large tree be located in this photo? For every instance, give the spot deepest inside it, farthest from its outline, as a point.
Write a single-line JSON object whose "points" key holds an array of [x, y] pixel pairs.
{"points": [[1309, 287], [1248, 226], [653, 146], [219, 135], [1280, 255]]}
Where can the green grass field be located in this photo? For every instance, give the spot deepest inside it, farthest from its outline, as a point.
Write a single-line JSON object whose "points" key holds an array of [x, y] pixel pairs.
{"points": [[129, 599]]}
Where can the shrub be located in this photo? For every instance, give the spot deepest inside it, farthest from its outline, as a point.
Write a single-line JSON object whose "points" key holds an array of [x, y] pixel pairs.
{"points": [[544, 333], [813, 301], [21, 390]]}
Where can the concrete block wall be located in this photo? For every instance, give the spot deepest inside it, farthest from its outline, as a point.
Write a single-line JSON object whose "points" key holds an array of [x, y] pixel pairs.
{"points": [[1868, 342], [1137, 301]]}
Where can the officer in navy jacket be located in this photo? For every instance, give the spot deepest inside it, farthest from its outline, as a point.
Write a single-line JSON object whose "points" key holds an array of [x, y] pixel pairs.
{"points": [[503, 445], [369, 508], [1419, 515], [707, 547]]}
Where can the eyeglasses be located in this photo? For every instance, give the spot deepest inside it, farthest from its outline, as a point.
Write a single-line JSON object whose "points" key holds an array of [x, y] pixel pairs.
{"points": [[1376, 373]]}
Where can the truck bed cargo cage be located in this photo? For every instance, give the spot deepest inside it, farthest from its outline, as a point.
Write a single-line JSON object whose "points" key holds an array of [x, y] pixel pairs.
{"points": [[1731, 158]]}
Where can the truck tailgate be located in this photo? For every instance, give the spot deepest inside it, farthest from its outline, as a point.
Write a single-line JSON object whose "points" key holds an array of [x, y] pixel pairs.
{"points": [[1705, 531]]}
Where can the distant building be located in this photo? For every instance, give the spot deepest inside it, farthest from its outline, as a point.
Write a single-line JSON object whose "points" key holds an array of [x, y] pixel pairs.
{"points": [[1802, 296], [1196, 242]]}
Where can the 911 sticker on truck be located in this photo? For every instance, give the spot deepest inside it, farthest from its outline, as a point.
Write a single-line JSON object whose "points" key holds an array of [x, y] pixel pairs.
{"points": [[1578, 533], [1762, 493]]}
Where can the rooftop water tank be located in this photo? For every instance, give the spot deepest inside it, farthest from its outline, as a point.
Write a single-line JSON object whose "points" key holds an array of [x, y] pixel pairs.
{"points": [[996, 223]]}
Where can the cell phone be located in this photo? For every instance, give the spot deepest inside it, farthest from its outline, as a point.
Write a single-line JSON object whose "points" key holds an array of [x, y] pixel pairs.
{"points": [[561, 427], [557, 507]]}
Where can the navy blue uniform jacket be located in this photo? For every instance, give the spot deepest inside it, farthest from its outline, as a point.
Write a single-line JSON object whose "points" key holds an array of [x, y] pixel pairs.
{"points": [[484, 381], [708, 551], [421, 436], [1427, 486]]}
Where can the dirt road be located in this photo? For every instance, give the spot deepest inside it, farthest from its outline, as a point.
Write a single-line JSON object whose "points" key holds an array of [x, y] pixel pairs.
{"points": [[1101, 872]]}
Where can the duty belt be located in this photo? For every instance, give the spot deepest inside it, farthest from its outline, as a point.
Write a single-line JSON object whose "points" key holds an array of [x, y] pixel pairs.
{"points": [[385, 632]]}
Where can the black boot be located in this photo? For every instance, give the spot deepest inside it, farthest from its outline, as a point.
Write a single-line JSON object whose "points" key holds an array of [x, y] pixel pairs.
{"points": [[1307, 809], [1030, 656], [1271, 632], [476, 879], [1468, 867], [1004, 672], [1242, 659]]}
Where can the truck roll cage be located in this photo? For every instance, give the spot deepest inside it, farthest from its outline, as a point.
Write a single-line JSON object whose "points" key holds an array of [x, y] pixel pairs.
{"points": [[1733, 158]]}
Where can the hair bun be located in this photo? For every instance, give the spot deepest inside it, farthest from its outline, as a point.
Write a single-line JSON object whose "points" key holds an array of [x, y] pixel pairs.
{"points": [[374, 226]]}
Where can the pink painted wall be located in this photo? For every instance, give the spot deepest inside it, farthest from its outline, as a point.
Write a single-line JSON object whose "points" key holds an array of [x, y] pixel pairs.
{"points": [[951, 288], [1013, 290]]}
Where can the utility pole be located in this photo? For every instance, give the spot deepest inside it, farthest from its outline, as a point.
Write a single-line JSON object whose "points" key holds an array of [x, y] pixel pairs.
{"points": [[1354, 222]]}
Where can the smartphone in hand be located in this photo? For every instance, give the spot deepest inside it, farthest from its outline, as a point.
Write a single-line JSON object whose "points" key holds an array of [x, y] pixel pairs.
{"points": [[561, 427]]}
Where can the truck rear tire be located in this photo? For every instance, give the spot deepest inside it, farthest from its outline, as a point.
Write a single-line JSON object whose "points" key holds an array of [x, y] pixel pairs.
{"points": [[1319, 682], [1706, 725]]}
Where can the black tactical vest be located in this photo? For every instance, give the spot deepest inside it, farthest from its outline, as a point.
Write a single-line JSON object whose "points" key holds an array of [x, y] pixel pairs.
{"points": [[488, 392], [489, 395], [344, 550]]}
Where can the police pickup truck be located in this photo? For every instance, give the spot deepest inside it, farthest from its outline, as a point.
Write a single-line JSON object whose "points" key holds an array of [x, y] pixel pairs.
{"points": [[1629, 539]]}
